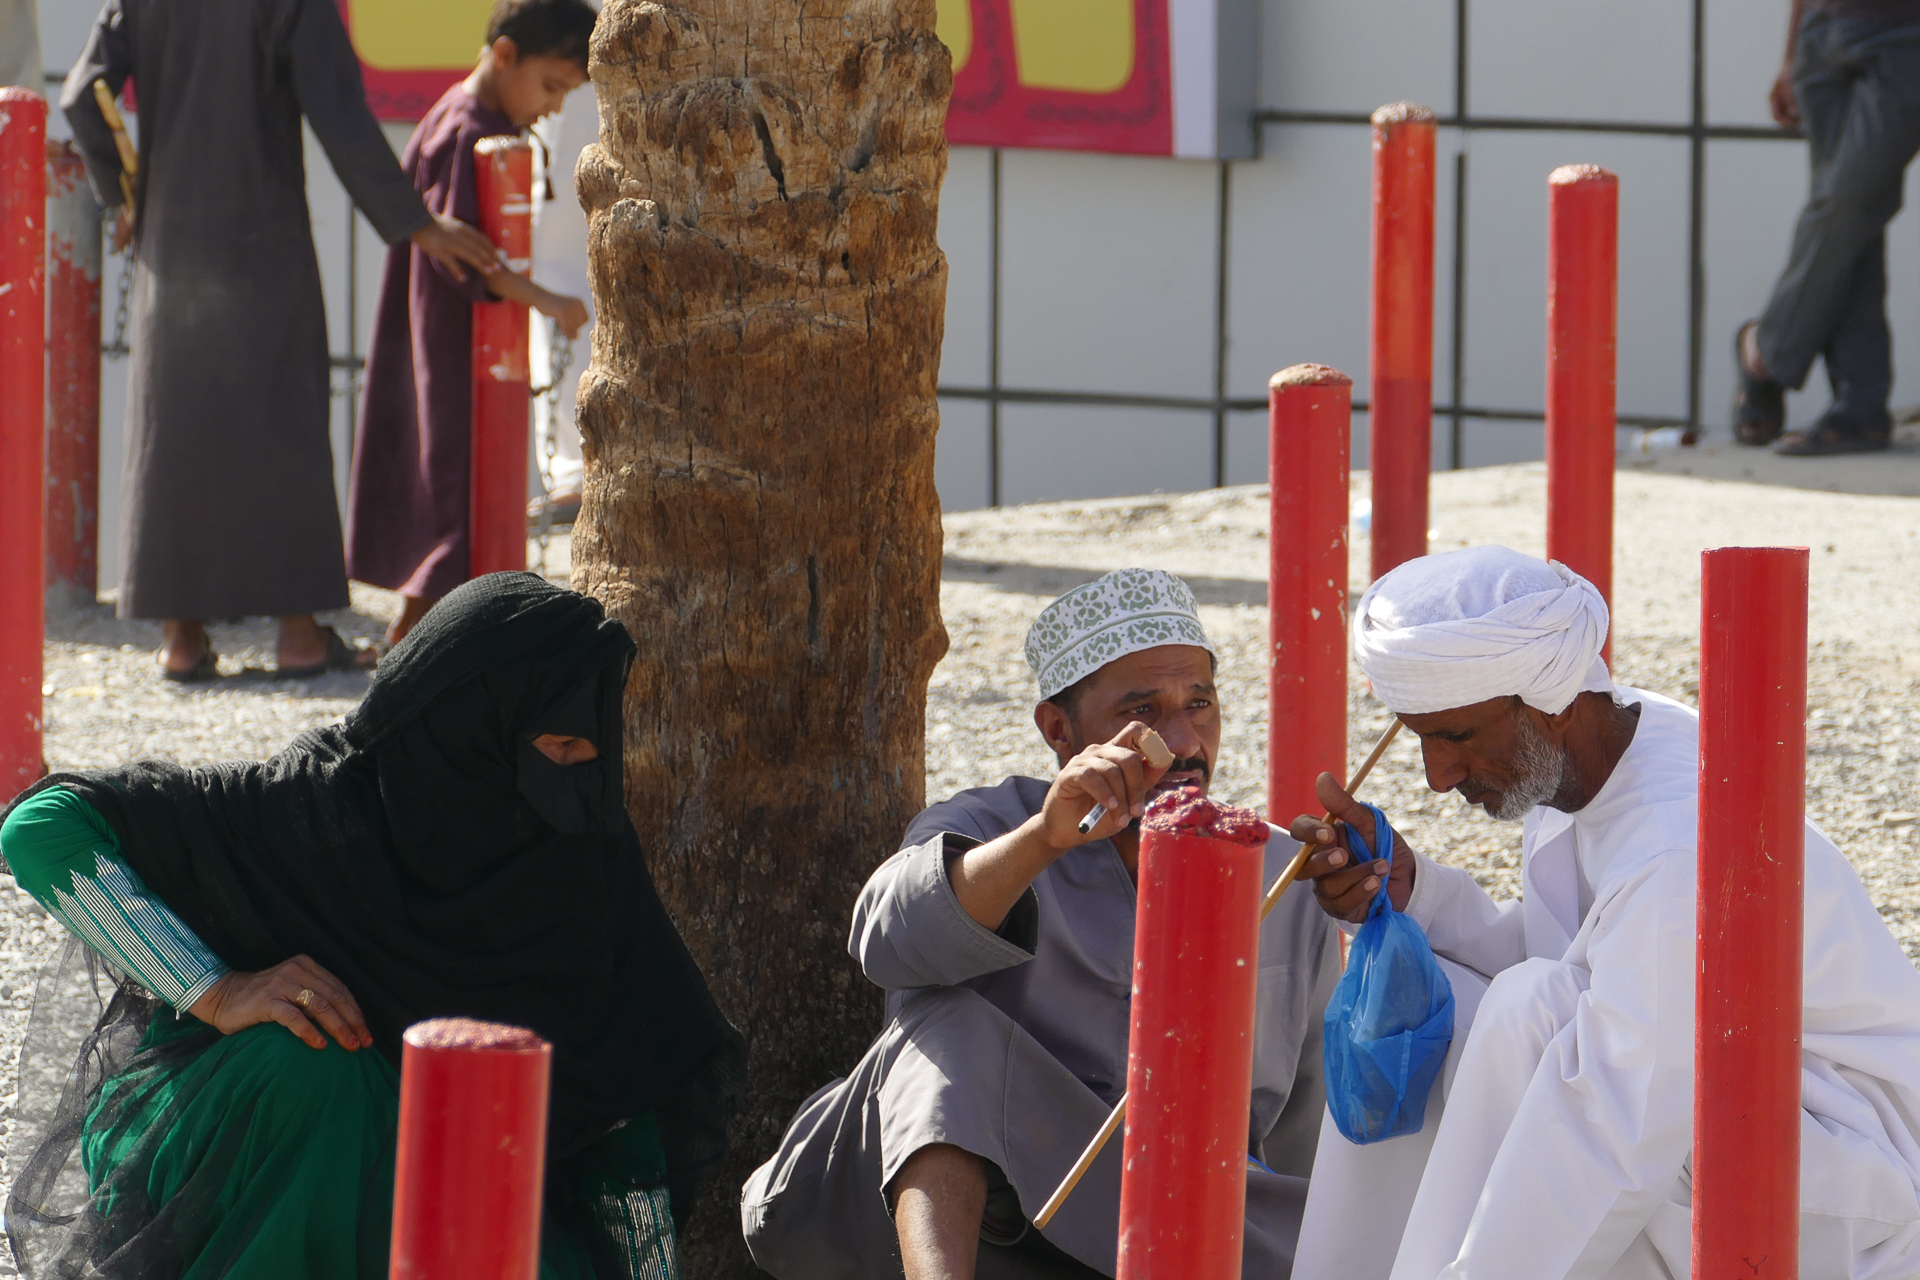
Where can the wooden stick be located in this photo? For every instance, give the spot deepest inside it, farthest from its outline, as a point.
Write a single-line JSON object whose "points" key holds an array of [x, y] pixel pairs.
{"points": [[1286, 879], [129, 158], [1272, 900]]}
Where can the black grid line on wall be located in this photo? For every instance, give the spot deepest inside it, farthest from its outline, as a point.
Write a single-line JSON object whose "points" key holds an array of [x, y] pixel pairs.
{"points": [[1454, 411]]}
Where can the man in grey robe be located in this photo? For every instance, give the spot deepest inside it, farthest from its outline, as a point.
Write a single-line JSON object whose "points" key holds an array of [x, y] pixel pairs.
{"points": [[20, 45], [1004, 939], [229, 507]]}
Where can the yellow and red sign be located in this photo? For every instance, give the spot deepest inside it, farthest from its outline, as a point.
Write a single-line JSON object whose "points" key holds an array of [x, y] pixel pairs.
{"points": [[1142, 77], [412, 51]]}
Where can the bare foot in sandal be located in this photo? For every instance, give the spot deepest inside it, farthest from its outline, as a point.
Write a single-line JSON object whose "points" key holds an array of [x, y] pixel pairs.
{"points": [[307, 648], [186, 652], [1759, 403]]}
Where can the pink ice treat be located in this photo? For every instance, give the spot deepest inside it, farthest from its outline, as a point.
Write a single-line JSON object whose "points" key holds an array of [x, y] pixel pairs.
{"points": [[1186, 812]]}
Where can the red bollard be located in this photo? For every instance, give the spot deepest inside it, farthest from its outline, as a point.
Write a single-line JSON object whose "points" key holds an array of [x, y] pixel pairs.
{"points": [[472, 1153], [502, 387], [1400, 413], [23, 429], [1311, 408], [73, 381], [1583, 238], [1753, 746], [1183, 1181]]}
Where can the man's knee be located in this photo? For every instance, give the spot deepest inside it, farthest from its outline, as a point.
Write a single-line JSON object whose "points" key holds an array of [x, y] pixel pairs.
{"points": [[1531, 1001]]}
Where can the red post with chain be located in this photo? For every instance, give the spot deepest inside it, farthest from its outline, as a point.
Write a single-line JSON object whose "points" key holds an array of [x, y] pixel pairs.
{"points": [[1183, 1181], [1400, 412], [502, 386], [472, 1151], [1751, 905], [1311, 408], [1583, 237], [73, 381], [23, 430]]}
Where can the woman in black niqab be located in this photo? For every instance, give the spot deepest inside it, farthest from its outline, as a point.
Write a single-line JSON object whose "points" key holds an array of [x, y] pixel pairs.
{"points": [[437, 863]]}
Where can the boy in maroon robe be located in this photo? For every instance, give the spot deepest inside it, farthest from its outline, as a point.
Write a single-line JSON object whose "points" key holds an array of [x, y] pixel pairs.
{"points": [[407, 504]]}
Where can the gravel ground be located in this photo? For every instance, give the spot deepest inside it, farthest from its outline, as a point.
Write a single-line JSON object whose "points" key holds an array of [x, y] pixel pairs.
{"points": [[106, 704], [1863, 730]]}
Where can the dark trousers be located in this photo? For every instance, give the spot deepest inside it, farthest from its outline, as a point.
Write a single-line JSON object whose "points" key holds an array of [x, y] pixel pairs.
{"points": [[1858, 84]]}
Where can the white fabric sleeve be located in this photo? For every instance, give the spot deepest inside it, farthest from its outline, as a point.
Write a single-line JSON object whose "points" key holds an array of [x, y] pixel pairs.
{"points": [[1604, 1127], [1462, 922]]}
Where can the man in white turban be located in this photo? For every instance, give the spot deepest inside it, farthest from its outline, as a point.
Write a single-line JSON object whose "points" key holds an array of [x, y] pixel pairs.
{"points": [[1558, 1139], [1003, 937]]}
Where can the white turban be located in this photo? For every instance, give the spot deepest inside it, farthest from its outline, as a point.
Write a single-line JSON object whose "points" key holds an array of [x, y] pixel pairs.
{"points": [[1462, 627]]}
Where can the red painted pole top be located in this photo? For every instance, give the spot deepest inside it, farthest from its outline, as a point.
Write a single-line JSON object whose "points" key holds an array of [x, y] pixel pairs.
{"points": [[474, 1036], [1568, 174], [1403, 113], [1308, 375]]}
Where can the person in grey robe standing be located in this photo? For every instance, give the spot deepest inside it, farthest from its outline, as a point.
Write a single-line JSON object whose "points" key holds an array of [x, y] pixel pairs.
{"points": [[229, 507], [20, 45], [1004, 939]]}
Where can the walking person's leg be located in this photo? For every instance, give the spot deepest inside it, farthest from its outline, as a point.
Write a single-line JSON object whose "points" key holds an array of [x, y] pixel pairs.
{"points": [[1859, 89], [1822, 85], [1859, 360]]}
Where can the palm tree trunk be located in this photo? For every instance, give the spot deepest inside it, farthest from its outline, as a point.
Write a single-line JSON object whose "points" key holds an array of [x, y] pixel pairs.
{"points": [[759, 508]]}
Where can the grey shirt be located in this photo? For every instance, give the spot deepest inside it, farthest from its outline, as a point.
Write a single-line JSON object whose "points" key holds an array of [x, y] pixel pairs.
{"points": [[1061, 964]]}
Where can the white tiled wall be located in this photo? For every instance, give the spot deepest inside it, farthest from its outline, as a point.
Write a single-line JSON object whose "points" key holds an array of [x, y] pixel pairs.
{"points": [[1108, 264]]}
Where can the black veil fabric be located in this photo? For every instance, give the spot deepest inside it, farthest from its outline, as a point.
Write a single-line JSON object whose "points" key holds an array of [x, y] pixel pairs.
{"points": [[428, 857]]}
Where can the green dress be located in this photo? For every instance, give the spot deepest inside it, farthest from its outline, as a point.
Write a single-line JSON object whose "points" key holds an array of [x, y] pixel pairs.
{"points": [[275, 1160]]}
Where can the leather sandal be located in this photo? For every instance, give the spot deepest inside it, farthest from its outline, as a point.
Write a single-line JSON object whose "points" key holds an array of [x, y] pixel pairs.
{"points": [[1832, 435], [1759, 404], [341, 656], [207, 668]]}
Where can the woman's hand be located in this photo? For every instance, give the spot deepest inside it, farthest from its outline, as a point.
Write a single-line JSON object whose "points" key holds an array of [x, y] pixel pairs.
{"points": [[241, 1000]]}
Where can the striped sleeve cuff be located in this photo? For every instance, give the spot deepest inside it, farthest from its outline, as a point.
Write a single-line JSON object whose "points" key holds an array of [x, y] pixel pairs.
{"points": [[116, 915]]}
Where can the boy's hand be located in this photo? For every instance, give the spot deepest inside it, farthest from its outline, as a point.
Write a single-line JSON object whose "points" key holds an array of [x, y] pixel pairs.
{"points": [[569, 313], [122, 228], [456, 246]]}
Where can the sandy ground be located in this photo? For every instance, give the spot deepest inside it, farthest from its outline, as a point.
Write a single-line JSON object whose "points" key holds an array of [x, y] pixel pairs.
{"points": [[106, 703]]}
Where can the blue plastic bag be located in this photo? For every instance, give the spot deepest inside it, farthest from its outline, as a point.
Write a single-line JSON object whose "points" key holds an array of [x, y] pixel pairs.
{"points": [[1389, 1021]]}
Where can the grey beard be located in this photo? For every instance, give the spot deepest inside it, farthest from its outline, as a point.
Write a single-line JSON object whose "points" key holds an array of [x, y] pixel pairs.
{"points": [[1539, 769]]}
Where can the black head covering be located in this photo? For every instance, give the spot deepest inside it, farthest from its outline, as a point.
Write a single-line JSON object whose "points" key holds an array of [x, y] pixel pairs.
{"points": [[437, 864]]}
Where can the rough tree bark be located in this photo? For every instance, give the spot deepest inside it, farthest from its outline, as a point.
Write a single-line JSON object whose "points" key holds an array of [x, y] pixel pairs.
{"points": [[759, 510]]}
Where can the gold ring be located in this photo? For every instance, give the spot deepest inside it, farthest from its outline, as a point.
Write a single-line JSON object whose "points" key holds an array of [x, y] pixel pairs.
{"points": [[305, 998]]}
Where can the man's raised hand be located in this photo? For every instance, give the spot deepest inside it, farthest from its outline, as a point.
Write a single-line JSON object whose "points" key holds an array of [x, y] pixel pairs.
{"points": [[1114, 775], [1345, 889]]}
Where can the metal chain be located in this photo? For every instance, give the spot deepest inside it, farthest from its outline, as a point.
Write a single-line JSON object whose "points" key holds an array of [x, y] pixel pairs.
{"points": [[559, 359], [118, 348]]}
